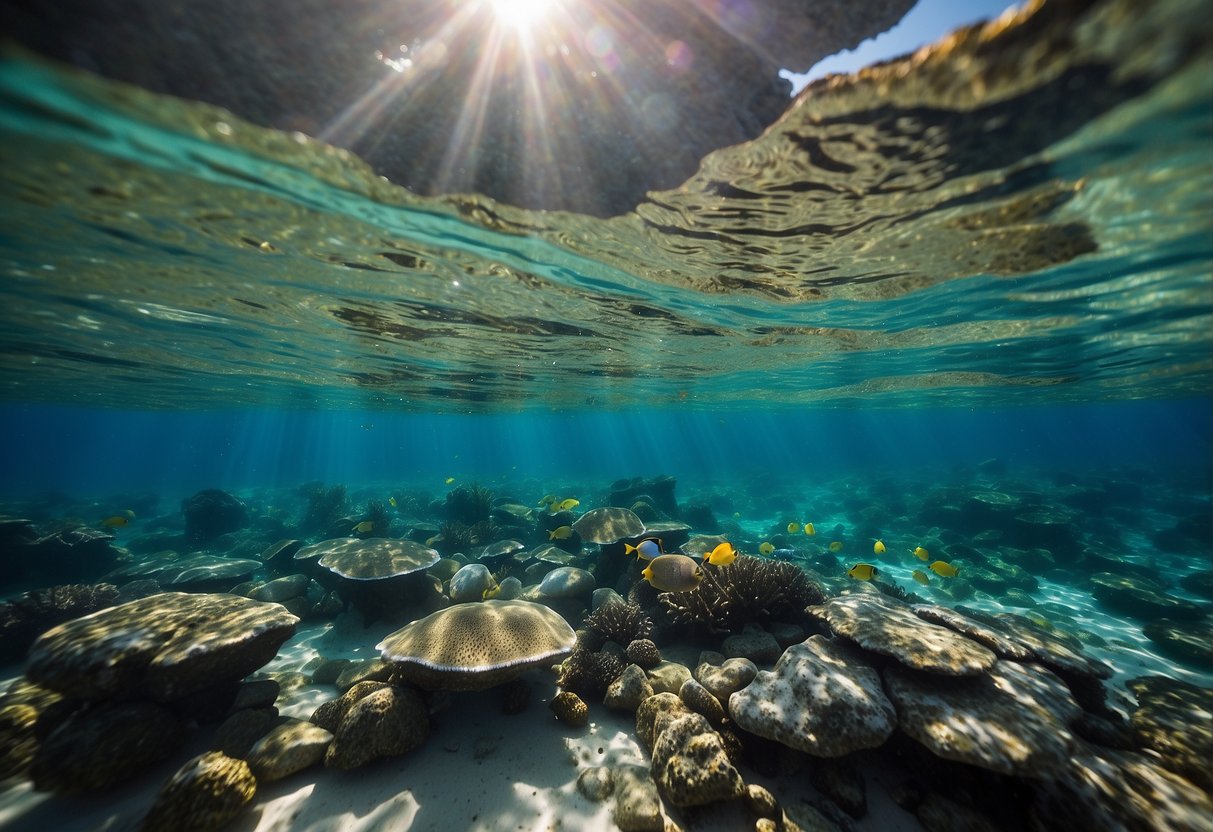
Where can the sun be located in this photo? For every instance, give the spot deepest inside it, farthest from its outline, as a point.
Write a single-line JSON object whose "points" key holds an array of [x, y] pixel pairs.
{"points": [[520, 15]]}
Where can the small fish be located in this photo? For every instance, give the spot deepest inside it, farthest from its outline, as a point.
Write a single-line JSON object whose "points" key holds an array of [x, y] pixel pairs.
{"points": [[944, 569], [920, 576], [115, 522], [391, 501], [546, 500], [365, 527], [878, 547], [836, 546], [810, 529], [645, 550], [490, 592], [737, 515], [793, 527], [863, 571], [673, 573], [921, 553], [449, 480], [766, 547], [722, 555], [561, 533], [430, 541], [566, 505]]}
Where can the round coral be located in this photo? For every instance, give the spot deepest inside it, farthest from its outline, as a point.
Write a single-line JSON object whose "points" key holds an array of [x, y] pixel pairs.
{"points": [[619, 621], [643, 652]]}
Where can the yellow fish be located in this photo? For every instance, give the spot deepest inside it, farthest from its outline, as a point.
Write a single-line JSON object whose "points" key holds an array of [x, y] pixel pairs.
{"points": [[920, 576], [561, 533], [430, 541], [863, 571], [809, 529], [115, 522], [449, 480], [673, 573], [491, 592], [921, 553], [566, 505], [836, 546], [546, 500], [944, 569], [365, 527], [793, 527], [766, 547], [391, 501], [722, 555], [878, 547], [646, 549]]}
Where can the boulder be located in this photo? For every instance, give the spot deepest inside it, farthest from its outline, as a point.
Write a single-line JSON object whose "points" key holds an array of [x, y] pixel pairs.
{"points": [[823, 698], [206, 793], [211, 513], [690, 766]]}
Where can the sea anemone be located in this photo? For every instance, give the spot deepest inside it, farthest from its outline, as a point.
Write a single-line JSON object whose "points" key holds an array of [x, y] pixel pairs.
{"points": [[748, 590], [618, 621]]}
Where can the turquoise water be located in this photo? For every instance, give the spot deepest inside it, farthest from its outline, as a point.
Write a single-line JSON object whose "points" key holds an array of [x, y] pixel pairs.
{"points": [[962, 301]]}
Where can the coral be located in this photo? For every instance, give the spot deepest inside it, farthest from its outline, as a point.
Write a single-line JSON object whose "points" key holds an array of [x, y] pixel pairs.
{"points": [[748, 590], [30, 614], [618, 621], [324, 505], [690, 765], [330, 714], [644, 652], [376, 512], [469, 504], [385, 723], [205, 793], [570, 708], [589, 673], [453, 537]]}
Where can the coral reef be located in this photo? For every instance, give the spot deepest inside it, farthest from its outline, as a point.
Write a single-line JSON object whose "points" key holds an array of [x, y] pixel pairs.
{"points": [[469, 504], [588, 673], [748, 590], [324, 506], [618, 621]]}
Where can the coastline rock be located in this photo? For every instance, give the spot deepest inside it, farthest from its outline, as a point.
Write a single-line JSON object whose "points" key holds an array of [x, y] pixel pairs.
{"points": [[822, 698], [637, 804], [726, 679]]}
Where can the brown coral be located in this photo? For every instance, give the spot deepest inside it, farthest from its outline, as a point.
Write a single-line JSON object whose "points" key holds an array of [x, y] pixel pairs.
{"points": [[619, 621], [747, 590]]}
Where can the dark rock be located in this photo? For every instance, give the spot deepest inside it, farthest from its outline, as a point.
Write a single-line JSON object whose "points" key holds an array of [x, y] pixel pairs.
{"points": [[1190, 642], [1141, 598], [1172, 719], [841, 782], [1199, 583], [27, 616], [211, 513], [104, 745], [658, 492]]}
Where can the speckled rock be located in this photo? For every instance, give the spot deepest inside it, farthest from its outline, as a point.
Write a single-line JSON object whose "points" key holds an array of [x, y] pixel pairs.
{"points": [[1049, 649], [761, 802], [668, 677], [509, 589], [983, 634], [103, 745], [690, 766], [643, 652], [570, 709], [822, 698], [637, 804], [753, 643], [596, 783], [329, 714], [1119, 791], [241, 730], [567, 582], [259, 693], [367, 670], [471, 582], [1012, 720], [890, 628], [655, 714], [728, 678], [700, 700], [164, 646], [628, 690], [287, 749], [1175, 719], [205, 794], [385, 723], [281, 589], [1190, 642]]}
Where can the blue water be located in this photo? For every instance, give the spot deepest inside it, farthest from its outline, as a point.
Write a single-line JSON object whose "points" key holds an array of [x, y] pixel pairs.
{"points": [[94, 452]]}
